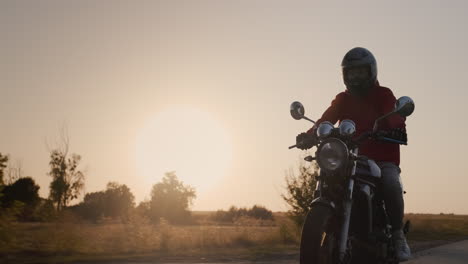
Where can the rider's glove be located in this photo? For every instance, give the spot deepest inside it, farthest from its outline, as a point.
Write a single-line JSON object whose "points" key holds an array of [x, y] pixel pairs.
{"points": [[306, 140], [395, 133], [399, 134]]}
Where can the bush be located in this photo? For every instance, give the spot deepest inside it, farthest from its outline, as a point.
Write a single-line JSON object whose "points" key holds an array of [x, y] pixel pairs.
{"points": [[233, 214], [22, 196], [45, 211], [260, 212], [300, 191], [115, 202], [171, 199]]}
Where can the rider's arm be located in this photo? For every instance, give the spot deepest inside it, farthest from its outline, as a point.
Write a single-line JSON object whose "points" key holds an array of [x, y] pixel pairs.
{"points": [[388, 104], [332, 114]]}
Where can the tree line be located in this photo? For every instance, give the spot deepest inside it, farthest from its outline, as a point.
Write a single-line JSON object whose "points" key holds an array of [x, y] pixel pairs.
{"points": [[169, 199], [19, 196]]}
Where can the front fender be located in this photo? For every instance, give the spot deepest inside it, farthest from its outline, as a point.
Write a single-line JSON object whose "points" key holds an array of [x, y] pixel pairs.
{"points": [[323, 201]]}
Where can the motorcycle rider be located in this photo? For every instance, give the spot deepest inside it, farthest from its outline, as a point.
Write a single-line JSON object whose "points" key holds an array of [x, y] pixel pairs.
{"points": [[363, 101]]}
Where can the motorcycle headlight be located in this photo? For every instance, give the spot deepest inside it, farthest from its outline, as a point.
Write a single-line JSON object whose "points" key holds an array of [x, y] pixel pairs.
{"points": [[332, 155], [324, 129], [347, 128]]}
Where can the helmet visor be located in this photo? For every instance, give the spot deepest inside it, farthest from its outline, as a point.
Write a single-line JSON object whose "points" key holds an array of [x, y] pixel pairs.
{"points": [[357, 75]]}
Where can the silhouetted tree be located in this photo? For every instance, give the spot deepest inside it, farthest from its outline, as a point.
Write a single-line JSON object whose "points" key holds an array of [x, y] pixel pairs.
{"points": [[260, 212], [67, 181], [45, 211], [13, 172], [116, 201], [93, 205], [170, 199], [26, 191], [3, 165], [144, 209], [300, 191], [119, 200], [234, 213]]}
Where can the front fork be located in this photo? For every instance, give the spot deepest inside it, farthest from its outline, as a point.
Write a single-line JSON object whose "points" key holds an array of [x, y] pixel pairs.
{"points": [[347, 204]]}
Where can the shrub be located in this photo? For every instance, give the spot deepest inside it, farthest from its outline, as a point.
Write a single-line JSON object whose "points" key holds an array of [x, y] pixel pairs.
{"points": [[233, 214], [171, 199], [300, 191]]}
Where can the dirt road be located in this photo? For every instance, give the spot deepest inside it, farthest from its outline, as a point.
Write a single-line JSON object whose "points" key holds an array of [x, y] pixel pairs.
{"points": [[456, 253], [453, 253], [429, 252]]}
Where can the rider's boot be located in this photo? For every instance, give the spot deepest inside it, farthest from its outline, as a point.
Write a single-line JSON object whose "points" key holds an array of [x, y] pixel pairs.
{"points": [[402, 249]]}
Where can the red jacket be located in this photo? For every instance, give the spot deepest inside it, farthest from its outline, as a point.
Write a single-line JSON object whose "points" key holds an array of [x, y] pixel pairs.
{"points": [[364, 111]]}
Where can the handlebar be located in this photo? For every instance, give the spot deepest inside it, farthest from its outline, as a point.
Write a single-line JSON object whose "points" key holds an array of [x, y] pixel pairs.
{"points": [[391, 140], [367, 135], [363, 136]]}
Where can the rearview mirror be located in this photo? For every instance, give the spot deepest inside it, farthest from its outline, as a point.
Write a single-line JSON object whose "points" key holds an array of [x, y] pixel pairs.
{"points": [[404, 106], [297, 110]]}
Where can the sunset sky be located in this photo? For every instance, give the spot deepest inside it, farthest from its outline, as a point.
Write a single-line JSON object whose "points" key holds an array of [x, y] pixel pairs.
{"points": [[204, 87]]}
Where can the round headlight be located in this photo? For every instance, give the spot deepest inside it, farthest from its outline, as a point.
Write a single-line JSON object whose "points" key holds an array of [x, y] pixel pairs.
{"points": [[332, 154], [347, 128], [324, 129]]}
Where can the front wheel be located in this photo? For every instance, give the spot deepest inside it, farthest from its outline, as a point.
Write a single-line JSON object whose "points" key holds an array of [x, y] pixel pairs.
{"points": [[318, 238]]}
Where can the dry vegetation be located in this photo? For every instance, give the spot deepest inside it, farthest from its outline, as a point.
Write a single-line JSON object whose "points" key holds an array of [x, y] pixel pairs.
{"points": [[69, 237], [429, 230]]}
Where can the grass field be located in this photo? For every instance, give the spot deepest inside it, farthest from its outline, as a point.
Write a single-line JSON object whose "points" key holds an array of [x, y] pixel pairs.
{"points": [[71, 240]]}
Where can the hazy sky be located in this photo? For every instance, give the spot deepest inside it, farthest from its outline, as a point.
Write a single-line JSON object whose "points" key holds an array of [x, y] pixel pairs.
{"points": [[108, 68]]}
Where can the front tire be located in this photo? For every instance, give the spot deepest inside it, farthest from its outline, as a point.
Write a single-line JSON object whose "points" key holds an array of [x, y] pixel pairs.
{"points": [[318, 238]]}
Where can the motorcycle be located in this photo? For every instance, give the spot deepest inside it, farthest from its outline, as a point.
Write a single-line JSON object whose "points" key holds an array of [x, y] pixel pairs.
{"points": [[347, 222]]}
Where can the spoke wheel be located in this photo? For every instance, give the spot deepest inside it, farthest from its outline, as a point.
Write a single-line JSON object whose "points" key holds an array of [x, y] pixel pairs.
{"points": [[327, 249], [318, 240]]}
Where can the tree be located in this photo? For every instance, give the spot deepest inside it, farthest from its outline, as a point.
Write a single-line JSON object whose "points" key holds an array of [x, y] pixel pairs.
{"points": [[67, 181], [143, 209], [93, 206], [3, 165], [119, 200], [260, 212], [26, 191], [116, 202], [233, 214], [13, 172], [300, 191], [170, 199]]}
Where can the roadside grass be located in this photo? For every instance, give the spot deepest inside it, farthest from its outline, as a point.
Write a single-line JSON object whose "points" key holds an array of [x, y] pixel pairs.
{"points": [[426, 227], [71, 240]]}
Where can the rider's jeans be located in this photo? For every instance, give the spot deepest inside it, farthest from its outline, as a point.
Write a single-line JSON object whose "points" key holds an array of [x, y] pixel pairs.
{"points": [[393, 193]]}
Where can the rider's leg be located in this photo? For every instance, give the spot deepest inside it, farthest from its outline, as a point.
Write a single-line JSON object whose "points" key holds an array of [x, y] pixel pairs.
{"points": [[393, 197], [393, 193]]}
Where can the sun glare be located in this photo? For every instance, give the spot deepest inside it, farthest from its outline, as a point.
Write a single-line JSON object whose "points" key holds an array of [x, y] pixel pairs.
{"points": [[185, 140]]}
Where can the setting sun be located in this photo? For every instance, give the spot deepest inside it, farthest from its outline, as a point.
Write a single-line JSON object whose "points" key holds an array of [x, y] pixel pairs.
{"points": [[185, 140]]}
